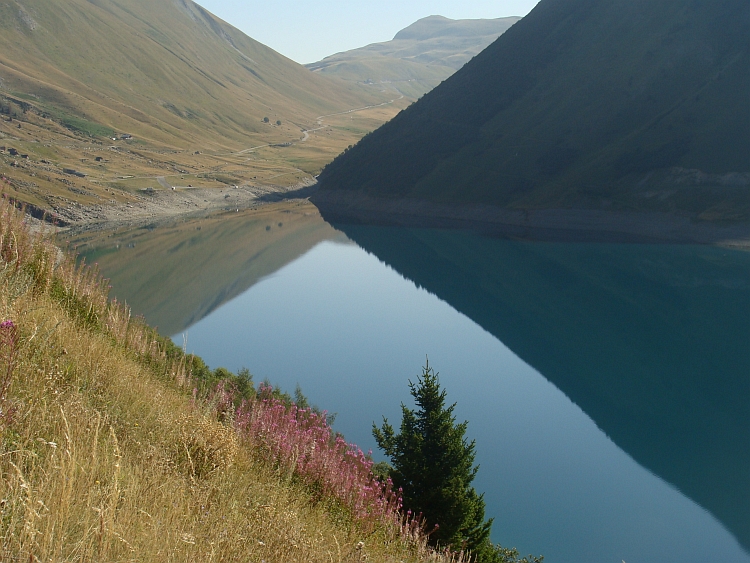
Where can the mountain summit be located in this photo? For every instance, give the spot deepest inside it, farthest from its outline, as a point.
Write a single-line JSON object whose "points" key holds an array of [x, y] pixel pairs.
{"points": [[433, 27], [419, 57], [592, 109]]}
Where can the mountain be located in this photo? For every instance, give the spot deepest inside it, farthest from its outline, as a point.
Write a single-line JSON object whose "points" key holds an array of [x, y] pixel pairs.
{"points": [[604, 115], [126, 92], [165, 70], [419, 57]]}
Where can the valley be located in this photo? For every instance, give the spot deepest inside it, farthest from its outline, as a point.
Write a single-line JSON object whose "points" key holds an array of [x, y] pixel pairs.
{"points": [[83, 181], [552, 212], [103, 105]]}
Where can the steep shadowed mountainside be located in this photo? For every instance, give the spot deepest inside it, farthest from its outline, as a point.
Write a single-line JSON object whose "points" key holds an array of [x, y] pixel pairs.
{"points": [[590, 108], [419, 57]]}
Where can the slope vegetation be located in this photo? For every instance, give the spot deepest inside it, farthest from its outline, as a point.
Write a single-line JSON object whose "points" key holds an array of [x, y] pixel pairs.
{"points": [[606, 105], [130, 91], [116, 446], [165, 70], [419, 57]]}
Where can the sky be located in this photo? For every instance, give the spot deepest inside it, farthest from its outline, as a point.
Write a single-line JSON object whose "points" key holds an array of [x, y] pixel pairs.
{"points": [[307, 31]]}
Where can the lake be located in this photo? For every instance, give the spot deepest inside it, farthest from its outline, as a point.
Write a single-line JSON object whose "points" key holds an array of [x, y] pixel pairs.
{"points": [[607, 386]]}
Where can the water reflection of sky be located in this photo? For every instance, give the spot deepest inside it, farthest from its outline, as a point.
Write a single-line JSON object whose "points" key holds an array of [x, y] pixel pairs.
{"points": [[352, 332]]}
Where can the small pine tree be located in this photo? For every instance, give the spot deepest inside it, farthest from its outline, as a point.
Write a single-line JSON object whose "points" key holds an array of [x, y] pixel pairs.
{"points": [[434, 465]]}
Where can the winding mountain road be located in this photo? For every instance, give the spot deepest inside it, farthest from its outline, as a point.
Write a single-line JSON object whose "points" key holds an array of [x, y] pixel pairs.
{"points": [[319, 120]]}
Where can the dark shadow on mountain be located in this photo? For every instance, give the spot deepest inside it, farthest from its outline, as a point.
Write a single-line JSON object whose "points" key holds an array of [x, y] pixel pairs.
{"points": [[614, 105], [651, 341]]}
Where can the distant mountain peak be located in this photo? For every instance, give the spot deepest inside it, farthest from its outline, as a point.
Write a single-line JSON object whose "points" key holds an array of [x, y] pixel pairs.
{"points": [[439, 26], [416, 30], [585, 105], [419, 57]]}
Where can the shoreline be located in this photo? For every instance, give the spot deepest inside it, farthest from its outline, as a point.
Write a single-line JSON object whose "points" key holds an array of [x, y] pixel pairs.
{"points": [[552, 225], [157, 206]]}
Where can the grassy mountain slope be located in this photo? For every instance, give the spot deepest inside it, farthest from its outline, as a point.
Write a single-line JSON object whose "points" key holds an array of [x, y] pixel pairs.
{"points": [[199, 99], [165, 70], [614, 104], [419, 57]]}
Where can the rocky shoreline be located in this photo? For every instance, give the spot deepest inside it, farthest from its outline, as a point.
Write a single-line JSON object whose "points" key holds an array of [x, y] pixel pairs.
{"points": [[574, 225], [337, 206], [163, 205]]}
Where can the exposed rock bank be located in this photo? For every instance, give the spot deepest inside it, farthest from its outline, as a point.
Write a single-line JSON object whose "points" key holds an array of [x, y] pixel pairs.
{"points": [[158, 205], [584, 225]]}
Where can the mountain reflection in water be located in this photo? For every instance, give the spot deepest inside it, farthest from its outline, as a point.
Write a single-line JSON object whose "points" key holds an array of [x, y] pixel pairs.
{"points": [[651, 341], [176, 274]]}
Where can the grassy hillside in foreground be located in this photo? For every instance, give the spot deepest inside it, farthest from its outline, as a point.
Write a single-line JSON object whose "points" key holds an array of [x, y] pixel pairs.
{"points": [[419, 57], [612, 105], [115, 446], [198, 101]]}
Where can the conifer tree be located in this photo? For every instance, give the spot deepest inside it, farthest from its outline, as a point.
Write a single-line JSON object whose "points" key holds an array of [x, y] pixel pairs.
{"points": [[433, 463]]}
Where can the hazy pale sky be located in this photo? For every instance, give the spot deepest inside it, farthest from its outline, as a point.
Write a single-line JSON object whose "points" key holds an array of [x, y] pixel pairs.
{"points": [[307, 31]]}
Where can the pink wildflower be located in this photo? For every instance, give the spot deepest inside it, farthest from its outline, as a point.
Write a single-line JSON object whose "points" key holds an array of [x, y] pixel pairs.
{"points": [[303, 443]]}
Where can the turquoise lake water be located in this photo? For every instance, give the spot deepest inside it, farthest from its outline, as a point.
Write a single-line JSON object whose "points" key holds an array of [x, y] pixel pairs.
{"points": [[607, 386]]}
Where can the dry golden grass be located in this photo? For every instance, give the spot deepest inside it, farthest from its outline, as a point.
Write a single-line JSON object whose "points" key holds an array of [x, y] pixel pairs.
{"points": [[127, 167], [105, 456]]}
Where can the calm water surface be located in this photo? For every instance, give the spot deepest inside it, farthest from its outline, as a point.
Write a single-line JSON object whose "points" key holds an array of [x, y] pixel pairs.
{"points": [[581, 369]]}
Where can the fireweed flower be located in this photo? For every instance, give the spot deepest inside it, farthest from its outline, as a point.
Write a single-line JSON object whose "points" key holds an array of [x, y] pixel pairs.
{"points": [[302, 443]]}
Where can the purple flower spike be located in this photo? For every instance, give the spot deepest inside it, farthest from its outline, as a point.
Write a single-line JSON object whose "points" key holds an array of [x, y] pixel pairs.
{"points": [[7, 324]]}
